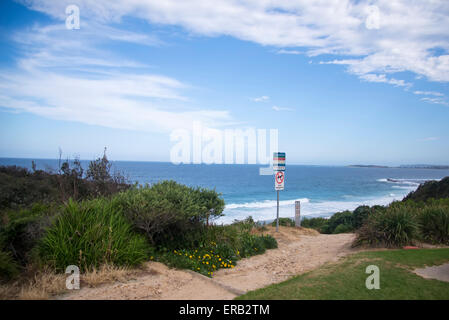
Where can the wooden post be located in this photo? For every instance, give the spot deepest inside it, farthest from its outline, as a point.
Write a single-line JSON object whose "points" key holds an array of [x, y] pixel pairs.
{"points": [[297, 213]]}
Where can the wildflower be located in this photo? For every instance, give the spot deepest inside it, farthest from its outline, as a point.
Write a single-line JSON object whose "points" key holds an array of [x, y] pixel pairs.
{"points": [[190, 257], [207, 262]]}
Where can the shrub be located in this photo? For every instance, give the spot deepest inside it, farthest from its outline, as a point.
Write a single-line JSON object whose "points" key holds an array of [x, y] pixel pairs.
{"points": [[396, 226], [8, 267], [430, 190], [340, 218], [218, 247], [343, 228], [21, 230], [319, 224], [269, 242], [286, 222], [89, 234], [21, 188], [168, 213], [359, 216], [434, 224]]}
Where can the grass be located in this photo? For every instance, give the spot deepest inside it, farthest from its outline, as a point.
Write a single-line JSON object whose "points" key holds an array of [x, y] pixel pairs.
{"points": [[345, 280], [90, 234]]}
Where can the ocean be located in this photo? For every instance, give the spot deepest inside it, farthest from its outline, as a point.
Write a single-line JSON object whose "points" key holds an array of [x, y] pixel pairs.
{"points": [[322, 190]]}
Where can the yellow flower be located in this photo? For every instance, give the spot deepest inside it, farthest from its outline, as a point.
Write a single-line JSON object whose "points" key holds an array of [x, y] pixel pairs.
{"points": [[207, 262], [219, 259], [190, 257]]}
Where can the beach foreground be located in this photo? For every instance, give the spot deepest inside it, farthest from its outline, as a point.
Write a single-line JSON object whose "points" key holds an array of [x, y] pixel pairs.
{"points": [[300, 250]]}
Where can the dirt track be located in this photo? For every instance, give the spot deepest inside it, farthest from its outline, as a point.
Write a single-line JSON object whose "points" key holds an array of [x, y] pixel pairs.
{"points": [[300, 250]]}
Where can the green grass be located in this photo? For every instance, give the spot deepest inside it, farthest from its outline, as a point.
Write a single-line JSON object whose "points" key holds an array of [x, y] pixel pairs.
{"points": [[89, 234], [345, 280]]}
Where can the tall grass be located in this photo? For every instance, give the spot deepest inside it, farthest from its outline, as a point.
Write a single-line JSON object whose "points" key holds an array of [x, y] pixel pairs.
{"points": [[434, 224], [89, 234], [393, 227]]}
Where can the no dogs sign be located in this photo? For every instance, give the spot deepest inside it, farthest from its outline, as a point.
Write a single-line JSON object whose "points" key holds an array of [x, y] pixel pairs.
{"points": [[279, 180]]}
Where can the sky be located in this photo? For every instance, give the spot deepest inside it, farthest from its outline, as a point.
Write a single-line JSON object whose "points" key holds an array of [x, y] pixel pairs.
{"points": [[344, 82]]}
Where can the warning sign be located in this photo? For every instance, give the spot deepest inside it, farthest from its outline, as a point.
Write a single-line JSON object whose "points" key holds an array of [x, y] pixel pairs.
{"points": [[279, 180]]}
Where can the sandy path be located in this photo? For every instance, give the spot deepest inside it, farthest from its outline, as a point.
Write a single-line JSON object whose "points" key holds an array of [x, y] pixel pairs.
{"points": [[436, 272], [300, 250]]}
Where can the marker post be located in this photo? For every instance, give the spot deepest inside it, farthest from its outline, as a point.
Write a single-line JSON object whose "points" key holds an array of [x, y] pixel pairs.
{"points": [[279, 177]]}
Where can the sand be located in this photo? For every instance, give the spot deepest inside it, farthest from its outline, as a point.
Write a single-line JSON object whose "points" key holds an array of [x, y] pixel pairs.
{"points": [[300, 250]]}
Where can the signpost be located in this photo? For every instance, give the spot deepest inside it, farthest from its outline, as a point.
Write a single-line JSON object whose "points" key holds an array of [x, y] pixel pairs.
{"points": [[279, 178]]}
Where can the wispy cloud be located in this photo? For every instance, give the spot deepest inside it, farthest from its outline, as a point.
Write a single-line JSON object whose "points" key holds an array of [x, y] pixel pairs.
{"points": [[261, 99], [283, 51], [383, 78], [70, 75], [276, 108], [429, 139], [407, 36], [441, 101], [429, 93]]}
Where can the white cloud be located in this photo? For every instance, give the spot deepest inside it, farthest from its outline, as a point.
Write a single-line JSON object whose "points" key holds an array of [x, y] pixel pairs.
{"points": [[283, 51], [276, 108], [429, 139], [383, 78], [429, 93], [436, 101], [68, 75], [261, 99], [408, 35]]}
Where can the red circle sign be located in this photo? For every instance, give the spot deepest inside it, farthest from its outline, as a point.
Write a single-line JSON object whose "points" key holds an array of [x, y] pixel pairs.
{"points": [[279, 177]]}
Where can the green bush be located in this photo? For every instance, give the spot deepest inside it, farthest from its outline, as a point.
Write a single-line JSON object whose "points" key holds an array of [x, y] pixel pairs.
{"points": [[168, 213], [21, 230], [340, 218], [343, 228], [217, 247], [319, 224], [8, 267], [89, 234], [430, 190], [269, 242], [359, 215], [434, 224], [396, 226], [286, 222]]}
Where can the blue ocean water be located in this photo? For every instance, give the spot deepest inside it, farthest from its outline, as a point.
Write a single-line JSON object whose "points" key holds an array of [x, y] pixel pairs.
{"points": [[322, 190]]}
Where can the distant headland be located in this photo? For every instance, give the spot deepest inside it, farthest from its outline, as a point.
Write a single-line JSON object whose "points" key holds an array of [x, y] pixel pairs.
{"points": [[407, 166]]}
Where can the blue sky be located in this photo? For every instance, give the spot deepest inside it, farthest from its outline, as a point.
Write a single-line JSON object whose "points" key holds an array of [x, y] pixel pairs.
{"points": [[340, 89]]}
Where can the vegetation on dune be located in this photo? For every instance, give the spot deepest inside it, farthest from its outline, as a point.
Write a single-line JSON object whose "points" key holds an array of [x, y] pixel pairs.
{"points": [[285, 222], [93, 218], [89, 234], [430, 190], [400, 223]]}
